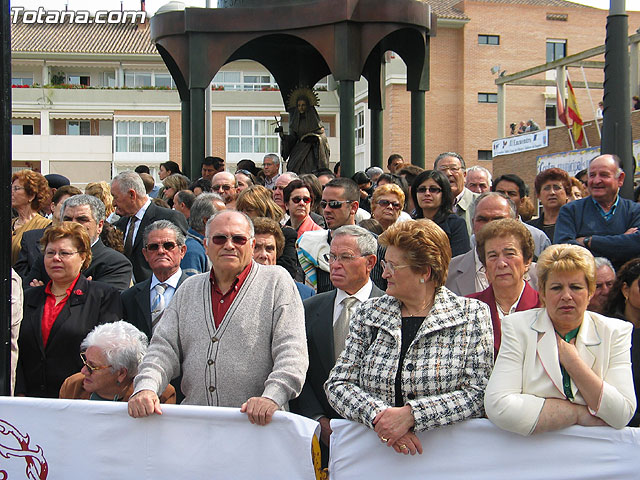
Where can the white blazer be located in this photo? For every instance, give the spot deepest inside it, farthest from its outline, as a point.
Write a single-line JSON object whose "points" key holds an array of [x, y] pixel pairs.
{"points": [[527, 370]]}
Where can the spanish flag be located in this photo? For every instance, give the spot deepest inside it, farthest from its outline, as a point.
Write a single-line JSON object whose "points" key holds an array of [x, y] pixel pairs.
{"points": [[574, 114]]}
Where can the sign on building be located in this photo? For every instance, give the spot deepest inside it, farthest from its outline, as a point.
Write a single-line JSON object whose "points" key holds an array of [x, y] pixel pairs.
{"points": [[521, 143]]}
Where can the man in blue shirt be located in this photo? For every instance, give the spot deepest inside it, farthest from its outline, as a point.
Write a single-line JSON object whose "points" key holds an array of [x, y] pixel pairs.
{"points": [[603, 222]]}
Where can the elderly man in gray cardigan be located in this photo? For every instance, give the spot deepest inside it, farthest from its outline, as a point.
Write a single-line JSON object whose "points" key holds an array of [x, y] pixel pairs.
{"points": [[236, 333]]}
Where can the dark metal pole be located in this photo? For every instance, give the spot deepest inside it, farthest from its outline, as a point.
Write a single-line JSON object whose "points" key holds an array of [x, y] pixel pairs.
{"points": [[417, 128], [5, 201], [377, 138], [186, 138], [347, 129], [197, 130], [616, 126]]}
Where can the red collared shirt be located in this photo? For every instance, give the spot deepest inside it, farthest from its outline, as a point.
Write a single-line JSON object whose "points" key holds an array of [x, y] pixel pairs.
{"points": [[51, 310], [220, 302]]}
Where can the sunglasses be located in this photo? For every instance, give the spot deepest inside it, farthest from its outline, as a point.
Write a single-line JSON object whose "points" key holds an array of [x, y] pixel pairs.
{"points": [[301, 199], [244, 172], [334, 204], [386, 203], [216, 188], [238, 240], [429, 189], [91, 368], [154, 247]]}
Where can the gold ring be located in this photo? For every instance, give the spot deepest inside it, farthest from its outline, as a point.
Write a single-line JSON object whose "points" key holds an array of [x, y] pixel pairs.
{"points": [[402, 447], [384, 439]]}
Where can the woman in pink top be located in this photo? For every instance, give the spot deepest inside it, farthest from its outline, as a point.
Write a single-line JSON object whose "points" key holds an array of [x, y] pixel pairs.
{"points": [[298, 200]]}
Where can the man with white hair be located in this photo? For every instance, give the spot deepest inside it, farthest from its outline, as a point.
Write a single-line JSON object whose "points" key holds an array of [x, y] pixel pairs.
{"points": [[605, 276], [271, 167], [478, 179], [136, 213]]}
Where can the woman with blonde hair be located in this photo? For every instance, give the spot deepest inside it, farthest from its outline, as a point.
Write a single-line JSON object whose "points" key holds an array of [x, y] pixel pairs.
{"points": [[102, 190], [387, 204], [562, 365], [29, 193]]}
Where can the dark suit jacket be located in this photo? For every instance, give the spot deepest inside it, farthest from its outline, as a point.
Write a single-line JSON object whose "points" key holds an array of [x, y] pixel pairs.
{"points": [[29, 254], [41, 370], [528, 300], [141, 269], [136, 304], [107, 266], [318, 313]]}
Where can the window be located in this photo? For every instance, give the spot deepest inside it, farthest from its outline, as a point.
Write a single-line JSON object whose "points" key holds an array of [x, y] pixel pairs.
{"points": [[164, 80], [550, 114], [22, 127], [487, 98], [322, 85], [141, 137], [137, 79], [21, 79], [109, 79], [251, 135], [244, 81], [488, 39], [484, 155], [257, 82], [228, 80], [360, 128], [74, 79], [78, 127], [556, 49]]}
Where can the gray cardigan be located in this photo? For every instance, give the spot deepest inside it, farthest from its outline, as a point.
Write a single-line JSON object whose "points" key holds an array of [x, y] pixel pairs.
{"points": [[259, 349]]}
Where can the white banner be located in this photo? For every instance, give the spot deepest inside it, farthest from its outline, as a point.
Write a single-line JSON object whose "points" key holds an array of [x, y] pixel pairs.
{"points": [[72, 439], [521, 143], [477, 449]]}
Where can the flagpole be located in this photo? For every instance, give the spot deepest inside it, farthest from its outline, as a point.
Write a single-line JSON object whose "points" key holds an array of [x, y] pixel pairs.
{"points": [[573, 145], [584, 77]]}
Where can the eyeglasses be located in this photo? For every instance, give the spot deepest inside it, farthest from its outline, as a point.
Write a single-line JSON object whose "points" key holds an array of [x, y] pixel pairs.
{"points": [[390, 267], [154, 247], [217, 188], [449, 168], [301, 199], [91, 368], [17, 188], [332, 258], [432, 190], [554, 187], [387, 203], [334, 204], [238, 240], [62, 254]]}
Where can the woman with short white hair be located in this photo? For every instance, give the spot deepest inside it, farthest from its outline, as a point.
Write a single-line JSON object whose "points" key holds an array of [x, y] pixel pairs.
{"points": [[111, 354]]}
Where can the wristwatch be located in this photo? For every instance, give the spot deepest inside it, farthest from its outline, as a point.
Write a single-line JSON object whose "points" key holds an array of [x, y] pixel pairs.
{"points": [[587, 242]]}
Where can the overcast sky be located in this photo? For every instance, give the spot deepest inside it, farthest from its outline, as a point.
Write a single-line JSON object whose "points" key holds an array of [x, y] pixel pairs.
{"points": [[153, 5]]}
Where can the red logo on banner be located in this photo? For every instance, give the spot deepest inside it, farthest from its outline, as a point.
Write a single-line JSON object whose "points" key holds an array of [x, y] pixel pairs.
{"points": [[14, 444]]}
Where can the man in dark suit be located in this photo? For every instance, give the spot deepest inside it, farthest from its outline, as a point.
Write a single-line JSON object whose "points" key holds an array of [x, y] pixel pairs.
{"points": [[352, 256], [164, 248], [137, 212], [107, 265]]}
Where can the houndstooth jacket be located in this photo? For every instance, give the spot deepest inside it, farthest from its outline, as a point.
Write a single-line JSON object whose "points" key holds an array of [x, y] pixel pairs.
{"points": [[445, 370]]}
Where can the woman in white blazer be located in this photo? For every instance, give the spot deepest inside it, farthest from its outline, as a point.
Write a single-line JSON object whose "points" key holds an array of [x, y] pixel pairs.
{"points": [[561, 365]]}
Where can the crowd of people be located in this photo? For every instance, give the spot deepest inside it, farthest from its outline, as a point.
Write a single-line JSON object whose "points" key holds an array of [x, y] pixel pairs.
{"points": [[385, 298]]}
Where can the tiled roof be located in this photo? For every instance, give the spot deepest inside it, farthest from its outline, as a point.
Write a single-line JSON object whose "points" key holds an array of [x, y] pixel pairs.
{"points": [[446, 8], [122, 38]]}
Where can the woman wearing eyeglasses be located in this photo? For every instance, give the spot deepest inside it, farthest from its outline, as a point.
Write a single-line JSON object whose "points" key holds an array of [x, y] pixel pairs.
{"points": [[297, 200], [110, 354], [386, 204], [418, 357], [58, 316], [431, 193]]}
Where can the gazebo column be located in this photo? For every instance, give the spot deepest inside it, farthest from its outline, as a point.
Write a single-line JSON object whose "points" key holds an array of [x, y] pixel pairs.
{"points": [[377, 138], [196, 115], [347, 129], [417, 128], [186, 137]]}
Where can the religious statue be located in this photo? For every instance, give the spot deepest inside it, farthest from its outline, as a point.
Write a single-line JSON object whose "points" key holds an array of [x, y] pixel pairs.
{"points": [[305, 147]]}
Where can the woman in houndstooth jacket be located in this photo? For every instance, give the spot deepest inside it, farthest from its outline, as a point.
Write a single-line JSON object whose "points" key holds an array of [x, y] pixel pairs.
{"points": [[420, 356]]}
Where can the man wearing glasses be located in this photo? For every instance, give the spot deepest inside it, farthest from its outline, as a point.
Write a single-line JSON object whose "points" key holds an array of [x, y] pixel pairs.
{"points": [[340, 201], [351, 259], [236, 333], [271, 167], [164, 248], [226, 185]]}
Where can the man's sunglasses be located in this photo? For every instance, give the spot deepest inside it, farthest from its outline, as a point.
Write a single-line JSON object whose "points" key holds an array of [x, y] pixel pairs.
{"points": [[154, 247], [334, 204], [238, 240]]}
